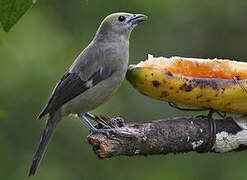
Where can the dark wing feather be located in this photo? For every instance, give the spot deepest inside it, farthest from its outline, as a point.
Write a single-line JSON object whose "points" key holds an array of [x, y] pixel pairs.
{"points": [[71, 86]]}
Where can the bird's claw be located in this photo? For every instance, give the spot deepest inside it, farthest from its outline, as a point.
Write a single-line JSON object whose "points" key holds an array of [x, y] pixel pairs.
{"points": [[119, 121], [105, 131]]}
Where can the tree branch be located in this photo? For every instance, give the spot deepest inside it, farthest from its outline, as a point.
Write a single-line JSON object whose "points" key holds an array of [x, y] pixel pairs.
{"points": [[173, 135]]}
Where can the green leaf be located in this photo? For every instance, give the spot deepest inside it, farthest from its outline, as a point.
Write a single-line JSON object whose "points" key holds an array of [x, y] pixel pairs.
{"points": [[12, 10]]}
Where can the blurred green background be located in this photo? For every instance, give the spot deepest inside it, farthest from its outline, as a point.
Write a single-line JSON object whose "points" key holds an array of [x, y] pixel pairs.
{"points": [[42, 45]]}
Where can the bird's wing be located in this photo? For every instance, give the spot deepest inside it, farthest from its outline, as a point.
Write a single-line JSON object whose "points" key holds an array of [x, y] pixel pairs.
{"points": [[70, 86]]}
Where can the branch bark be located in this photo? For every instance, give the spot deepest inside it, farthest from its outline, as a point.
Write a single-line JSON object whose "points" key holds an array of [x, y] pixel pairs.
{"points": [[172, 135]]}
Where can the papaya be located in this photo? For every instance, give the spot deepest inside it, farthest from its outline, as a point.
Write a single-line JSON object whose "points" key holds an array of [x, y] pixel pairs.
{"points": [[216, 84]]}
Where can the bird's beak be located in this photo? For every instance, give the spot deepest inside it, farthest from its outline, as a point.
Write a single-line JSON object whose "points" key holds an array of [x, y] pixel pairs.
{"points": [[137, 18]]}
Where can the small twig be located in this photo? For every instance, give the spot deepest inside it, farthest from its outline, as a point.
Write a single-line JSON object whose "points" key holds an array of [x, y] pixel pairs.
{"points": [[173, 135]]}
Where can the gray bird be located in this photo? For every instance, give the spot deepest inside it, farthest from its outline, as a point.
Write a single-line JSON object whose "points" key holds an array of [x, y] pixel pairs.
{"points": [[92, 79]]}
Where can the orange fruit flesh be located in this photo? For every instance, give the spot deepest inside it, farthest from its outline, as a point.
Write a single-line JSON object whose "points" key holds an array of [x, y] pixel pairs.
{"points": [[199, 68]]}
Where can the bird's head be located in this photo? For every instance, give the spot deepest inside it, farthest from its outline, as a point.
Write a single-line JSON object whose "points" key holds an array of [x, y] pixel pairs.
{"points": [[120, 24]]}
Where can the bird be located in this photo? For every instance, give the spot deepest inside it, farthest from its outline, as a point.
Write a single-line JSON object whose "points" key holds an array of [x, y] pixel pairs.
{"points": [[92, 79]]}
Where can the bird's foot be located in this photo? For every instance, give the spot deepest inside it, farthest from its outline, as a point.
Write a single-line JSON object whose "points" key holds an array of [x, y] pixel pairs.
{"points": [[119, 121], [106, 130], [106, 122], [102, 123]]}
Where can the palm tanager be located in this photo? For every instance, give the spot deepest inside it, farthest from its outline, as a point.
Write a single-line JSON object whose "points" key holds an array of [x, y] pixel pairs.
{"points": [[92, 79]]}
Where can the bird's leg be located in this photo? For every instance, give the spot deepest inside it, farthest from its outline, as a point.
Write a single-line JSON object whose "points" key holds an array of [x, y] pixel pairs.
{"points": [[94, 130], [91, 116], [118, 121], [89, 124]]}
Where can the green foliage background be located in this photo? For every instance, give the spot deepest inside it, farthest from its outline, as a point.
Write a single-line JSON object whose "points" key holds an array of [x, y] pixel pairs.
{"points": [[42, 45]]}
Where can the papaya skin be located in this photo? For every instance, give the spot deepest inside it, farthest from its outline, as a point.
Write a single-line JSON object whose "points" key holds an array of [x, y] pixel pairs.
{"points": [[224, 95]]}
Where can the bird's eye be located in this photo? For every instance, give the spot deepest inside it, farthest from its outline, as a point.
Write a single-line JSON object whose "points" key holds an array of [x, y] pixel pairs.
{"points": [[121, 18]]}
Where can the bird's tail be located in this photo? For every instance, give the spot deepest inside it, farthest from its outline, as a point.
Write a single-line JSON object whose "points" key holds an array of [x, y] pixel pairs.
{"points": [[51, 124]]}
